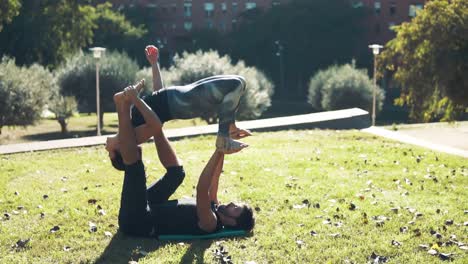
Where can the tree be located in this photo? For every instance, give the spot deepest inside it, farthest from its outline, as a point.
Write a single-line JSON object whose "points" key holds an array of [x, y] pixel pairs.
{"points": [[190, 67], [63, 107], [77, 77], [429, 60], [340, 87], [314, 35], [47, 31], [24, 91], [8, 10]]}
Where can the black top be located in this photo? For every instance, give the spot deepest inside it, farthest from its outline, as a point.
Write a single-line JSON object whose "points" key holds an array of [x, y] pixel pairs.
{"points": [[157, 101], [178, 217]]}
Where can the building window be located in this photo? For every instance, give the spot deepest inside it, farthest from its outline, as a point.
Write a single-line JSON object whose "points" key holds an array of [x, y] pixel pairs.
{"points": [[234, 7], [392, 8], [187, 9], [209, 23], [250, 5], [234, 23], [357, 4], [413, 9], [275, 3], [377, 7], [188, 25], [209, 9], [222, 26], [223, 7], [174, 26]]}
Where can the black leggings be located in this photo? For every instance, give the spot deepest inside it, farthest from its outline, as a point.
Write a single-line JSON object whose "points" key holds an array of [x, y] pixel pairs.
{"points": [[135, 214]]}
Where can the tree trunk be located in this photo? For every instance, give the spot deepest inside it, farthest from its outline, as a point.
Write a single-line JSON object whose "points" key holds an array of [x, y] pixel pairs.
{"points": [[63, 125], [101, 120]]}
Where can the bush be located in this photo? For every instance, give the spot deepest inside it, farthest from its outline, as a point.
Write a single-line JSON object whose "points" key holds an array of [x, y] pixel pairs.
{"points": [[24, 91], [77, 77], [190, 67], [340, 87]]}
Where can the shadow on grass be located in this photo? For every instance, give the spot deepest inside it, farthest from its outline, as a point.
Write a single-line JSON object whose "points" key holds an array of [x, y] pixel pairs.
{"points": [[123, 249]]}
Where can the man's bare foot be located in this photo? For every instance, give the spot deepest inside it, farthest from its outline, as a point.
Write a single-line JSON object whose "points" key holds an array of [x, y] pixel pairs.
{"points": [[238, 133], [228, 145]]}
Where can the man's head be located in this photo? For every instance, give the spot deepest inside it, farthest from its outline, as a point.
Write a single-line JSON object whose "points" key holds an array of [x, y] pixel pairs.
{"points": [[236, 216]]}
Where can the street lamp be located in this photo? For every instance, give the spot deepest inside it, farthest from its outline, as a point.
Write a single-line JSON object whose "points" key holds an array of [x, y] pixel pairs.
{"points": [[279, 53], [97, 54], [375, 50]]}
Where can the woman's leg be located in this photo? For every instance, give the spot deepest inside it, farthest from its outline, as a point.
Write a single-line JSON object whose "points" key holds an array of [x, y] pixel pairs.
{"points": [[134, 213]]}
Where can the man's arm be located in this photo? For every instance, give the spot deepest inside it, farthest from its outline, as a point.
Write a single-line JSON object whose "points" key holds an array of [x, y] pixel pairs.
{"points": [[206, 217], [213, 192], [152, 54]]}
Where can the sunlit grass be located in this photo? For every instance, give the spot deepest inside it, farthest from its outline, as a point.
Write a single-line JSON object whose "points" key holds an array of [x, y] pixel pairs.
{"points": [[320, 197]]}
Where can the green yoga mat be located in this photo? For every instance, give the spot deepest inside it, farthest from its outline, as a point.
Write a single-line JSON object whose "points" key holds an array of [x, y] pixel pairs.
{"points": [[220, 234]]}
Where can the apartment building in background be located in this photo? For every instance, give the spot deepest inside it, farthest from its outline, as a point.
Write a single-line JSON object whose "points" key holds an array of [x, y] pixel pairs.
{"points": [[178, 19]]}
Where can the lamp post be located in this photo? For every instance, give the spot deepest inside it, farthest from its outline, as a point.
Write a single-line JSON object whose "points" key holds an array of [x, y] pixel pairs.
{"points": [[375, 50], [97, 54], [279, 53]]}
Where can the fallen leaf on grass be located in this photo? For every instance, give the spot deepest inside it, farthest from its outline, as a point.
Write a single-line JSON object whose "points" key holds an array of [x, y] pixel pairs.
{"points": [[300, 243], [432, 252], [313, 233], [66, 248], [54, 229], [424, 246], [92, 201], [45, 196], [445, 256], [92, 227], [378, 259], [21, 244], [396, 243], [108, 234], [449, 222]]}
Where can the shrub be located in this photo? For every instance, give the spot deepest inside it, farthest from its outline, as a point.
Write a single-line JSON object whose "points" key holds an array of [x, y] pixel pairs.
{"points": [[77, 77], [190, 67], [341, 87], [24, 91]]}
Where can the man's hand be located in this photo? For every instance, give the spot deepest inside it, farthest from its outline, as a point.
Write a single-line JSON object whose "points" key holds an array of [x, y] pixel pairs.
{"points": [[152, 54]]}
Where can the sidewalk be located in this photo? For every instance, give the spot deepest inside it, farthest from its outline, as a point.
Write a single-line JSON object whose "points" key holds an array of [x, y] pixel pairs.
{"points": [[353, 118]]}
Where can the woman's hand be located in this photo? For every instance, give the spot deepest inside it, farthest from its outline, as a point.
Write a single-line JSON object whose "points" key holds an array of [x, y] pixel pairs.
{"points": [[152, 54]]}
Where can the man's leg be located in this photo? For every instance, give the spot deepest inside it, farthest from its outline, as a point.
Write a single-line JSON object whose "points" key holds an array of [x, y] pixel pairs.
{"points": [[134, 214], [161, 190]]}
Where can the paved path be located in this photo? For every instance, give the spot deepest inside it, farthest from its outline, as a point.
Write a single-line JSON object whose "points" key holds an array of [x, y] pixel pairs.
{"points": [[341, 119], [454, 141], [416, 140]]}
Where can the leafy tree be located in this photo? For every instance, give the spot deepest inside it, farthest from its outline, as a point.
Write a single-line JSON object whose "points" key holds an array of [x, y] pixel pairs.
{"points": [[77, 77], [313, 34], [47, 31], [63, 107], [24, 91], [344, 86], [8, 10], [429, 59], [190, 67]]}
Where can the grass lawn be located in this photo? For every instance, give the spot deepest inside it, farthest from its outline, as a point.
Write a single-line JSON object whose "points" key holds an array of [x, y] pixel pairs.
{"points": [[319, 196], [79, 126]]}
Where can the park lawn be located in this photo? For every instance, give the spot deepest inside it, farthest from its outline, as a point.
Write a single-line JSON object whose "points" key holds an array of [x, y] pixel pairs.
{"points": [[320, 196], [82, 125]]}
